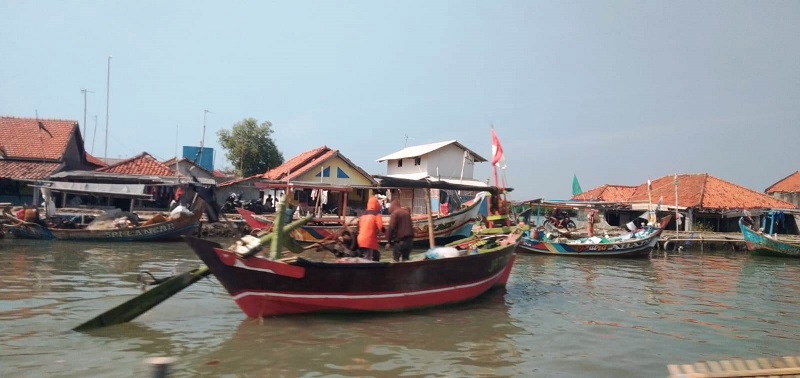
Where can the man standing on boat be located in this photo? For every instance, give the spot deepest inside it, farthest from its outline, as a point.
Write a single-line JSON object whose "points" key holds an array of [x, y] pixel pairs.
{"points": [[400, 232], [369, 225]]}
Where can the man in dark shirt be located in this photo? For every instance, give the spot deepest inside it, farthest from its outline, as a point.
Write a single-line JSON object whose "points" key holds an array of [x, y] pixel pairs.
{"points": [[400, 231]]}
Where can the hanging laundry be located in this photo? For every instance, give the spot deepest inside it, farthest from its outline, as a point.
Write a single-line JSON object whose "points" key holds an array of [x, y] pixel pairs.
{"points": [[324, 197]]}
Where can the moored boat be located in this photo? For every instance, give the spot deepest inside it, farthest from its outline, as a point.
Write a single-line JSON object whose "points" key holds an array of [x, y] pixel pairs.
{"points": [[634, 244], [263, 287], [457, 224], [759, 243], [169, 229]]}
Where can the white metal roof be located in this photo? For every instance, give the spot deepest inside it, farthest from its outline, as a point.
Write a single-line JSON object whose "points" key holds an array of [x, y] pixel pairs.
{"points": [[423, 149]]}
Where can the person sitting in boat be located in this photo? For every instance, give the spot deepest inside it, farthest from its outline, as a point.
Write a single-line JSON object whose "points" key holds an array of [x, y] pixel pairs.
{"points": [[400, 232], [369, 225]]}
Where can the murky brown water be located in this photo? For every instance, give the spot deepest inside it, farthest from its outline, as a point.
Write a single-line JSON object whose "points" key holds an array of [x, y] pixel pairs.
{"points": [[559, 316]]}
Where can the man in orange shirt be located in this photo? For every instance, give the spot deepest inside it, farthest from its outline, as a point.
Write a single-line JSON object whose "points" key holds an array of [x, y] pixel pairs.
{"points": [[368, 227]]}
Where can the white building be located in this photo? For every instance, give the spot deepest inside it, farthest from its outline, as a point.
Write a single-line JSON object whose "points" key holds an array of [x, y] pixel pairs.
{"points": [[448, 161]]}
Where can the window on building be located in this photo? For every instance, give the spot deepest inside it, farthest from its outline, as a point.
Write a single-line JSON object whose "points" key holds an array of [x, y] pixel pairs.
{"points": [[399, 162], [417, 160], [325, 172], [340, 173]]}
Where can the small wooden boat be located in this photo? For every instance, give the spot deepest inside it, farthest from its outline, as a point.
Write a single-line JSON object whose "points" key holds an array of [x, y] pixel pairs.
{"points": [[635, 244], [264, 287], [171, 229], [454, 225], [759, 243]]}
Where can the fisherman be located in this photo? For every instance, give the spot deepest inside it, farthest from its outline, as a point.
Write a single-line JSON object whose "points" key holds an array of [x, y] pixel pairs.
{"points": [[400, 232], [369, 225]]}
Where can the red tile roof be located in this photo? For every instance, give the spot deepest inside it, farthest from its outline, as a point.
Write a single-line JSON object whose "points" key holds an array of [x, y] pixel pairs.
{"points": [[706, 191], [609, 193], [29, 138], [27, 170], [218, 173], [299, 164], [95, 161], [143, 164], [790, 184]]}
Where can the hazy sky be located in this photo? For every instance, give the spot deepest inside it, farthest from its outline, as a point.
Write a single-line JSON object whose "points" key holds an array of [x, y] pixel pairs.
{"points": [[612, 91]]}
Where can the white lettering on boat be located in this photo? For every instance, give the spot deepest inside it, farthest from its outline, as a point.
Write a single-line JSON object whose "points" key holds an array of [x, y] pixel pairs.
{"points": [[146, 231]]}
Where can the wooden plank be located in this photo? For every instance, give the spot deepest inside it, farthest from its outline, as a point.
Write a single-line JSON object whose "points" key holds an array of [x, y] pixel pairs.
{"points": [[688, 369], [674, 370], [752, 364], [714, 367], [701, 367], [727, 365], [761, 367], [739, 364]]}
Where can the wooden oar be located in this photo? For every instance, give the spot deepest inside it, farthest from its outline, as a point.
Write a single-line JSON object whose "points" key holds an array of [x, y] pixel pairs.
{"points": [[151, 298]]}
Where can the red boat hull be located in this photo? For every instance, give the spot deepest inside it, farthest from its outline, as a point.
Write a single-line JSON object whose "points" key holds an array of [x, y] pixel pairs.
{"points": [[264, 287]]}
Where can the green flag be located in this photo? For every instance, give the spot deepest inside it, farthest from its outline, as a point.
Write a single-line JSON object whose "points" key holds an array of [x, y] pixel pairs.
{"points": [[576, 187]]}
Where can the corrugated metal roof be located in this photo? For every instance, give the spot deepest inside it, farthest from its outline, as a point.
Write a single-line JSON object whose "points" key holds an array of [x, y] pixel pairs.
{"points": [[414, 151]]}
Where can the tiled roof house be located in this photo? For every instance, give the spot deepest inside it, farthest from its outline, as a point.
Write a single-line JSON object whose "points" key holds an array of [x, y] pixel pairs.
{"points": [[706, 198], [701, 191], [319, 165], [33, 149], [187, 168], [607, 193], [143, 164], [787, 189]]}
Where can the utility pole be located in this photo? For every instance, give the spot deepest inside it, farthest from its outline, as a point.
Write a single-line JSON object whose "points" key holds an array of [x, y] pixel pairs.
{"points": [[108, 92], [84, 91], [203, 140]]}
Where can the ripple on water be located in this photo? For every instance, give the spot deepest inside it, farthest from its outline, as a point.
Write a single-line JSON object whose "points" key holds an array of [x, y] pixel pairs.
{"points": [[558, 317]]}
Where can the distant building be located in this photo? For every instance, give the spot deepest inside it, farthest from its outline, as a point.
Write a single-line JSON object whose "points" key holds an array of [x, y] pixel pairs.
{"points": [[33, 149], [141, 181], [702, 200], [186, 168], [321, 165], [204, 159], [787, 189], [448, 161]]}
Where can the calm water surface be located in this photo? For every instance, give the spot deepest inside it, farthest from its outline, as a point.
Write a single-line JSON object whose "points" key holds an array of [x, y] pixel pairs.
{"points": [[558, 317]]}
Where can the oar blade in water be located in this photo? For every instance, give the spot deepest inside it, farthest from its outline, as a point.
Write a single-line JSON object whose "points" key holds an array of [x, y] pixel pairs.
{"points": [[147, 300]]}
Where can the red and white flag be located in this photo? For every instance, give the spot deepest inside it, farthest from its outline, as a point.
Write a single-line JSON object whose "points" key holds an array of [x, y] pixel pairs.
{"points": [[497, 150]]}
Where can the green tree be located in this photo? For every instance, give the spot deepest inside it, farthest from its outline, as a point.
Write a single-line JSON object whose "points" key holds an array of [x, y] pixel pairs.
{"points": [[250, 148]]}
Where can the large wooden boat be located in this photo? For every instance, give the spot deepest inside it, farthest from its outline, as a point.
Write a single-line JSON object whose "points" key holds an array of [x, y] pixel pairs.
{"points": [[635, 244], [759, 243], [454, 225], [263, 287], [171, 229]]}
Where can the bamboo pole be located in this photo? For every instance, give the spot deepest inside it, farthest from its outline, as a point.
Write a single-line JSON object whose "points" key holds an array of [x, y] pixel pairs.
{"points": [[430, 217], [277, 240], [677, 216], [141, 303]]}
